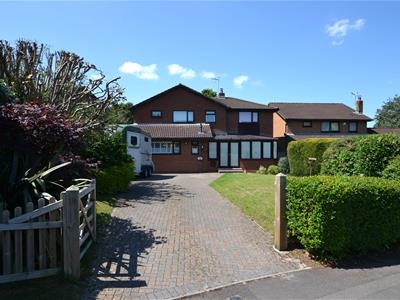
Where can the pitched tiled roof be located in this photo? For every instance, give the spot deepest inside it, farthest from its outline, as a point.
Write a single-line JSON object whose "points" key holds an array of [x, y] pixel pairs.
{"points": [[227, 102], [317, 111], [235, 103], [384, 130], [242, 137], [172, 131]]}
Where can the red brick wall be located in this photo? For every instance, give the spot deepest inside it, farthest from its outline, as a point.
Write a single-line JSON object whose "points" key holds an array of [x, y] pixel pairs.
{"points": [[180, 99], [296, 127], [279, 126], [185, 162]]}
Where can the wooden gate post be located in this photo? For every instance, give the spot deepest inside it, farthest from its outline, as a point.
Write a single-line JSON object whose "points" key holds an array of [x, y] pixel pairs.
{"points": [[71, 221], [280, 213]]}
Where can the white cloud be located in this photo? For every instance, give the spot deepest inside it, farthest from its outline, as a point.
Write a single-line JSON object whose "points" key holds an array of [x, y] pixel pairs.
{"points": [[140, 71], [208, 75], [240, 80], [342, 27], [337, 43], [175, 69]]}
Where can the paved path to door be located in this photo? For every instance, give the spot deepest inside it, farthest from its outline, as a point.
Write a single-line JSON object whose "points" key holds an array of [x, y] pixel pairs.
{"points": [[173, 235]]}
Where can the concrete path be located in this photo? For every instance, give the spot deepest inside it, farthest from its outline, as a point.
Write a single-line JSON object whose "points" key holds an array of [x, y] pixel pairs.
{"points": [[173, 236], [379, 280]]}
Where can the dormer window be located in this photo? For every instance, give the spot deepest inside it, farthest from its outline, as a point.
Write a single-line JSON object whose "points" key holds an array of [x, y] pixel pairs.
{"points": [[248, 117], [183, 116]]}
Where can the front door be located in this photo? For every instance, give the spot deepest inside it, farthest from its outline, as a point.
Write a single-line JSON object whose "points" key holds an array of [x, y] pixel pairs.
{"points": [[234, 155], [223, 154]]}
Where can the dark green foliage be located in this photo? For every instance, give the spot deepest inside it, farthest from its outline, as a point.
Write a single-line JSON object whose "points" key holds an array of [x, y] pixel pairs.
{"points": [[300, 151], [116, 166], [6, 95], [339, 158], [273, 170], [389, 114], [209, 93], [392, 170], [283, 165], [108, 149], [367, 155], [334, 217], [115, 179], [119, 113]]}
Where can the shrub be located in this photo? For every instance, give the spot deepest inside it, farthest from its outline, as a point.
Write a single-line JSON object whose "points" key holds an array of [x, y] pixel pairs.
{"points": [[342, 216], [283, 165], [273, 170], [367, 155], [339, 158], [300, 151], [262, 170], [108, 149], [392, 170], [115, 179]]}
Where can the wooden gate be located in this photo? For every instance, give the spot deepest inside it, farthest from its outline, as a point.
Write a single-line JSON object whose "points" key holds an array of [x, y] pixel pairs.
{"points": [[50, 238]]}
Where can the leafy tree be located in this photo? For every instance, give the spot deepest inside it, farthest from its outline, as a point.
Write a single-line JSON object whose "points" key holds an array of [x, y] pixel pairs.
{"points": [[209, 93], [119, 114], [389, 115], [61, 79]]}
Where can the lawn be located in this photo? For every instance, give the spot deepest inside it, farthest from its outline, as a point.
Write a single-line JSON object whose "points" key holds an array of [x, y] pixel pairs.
{"points": [[56, 287], [252, 193]]}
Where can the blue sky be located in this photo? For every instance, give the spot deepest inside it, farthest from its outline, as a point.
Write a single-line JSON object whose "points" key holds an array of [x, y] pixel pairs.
{"points": [[276, 51]]}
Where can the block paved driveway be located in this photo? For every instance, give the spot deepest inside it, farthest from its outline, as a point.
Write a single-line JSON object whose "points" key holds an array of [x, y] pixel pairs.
{"points": [[173, 235]]}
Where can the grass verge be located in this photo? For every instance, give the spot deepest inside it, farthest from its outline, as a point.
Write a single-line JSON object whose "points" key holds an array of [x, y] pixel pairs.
{"points": [[57, 287], [252, 193]]}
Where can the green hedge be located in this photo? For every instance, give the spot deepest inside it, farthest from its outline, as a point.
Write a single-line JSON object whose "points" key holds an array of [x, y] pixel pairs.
{"points": [[342, 216], [115, 179], [367, 155], [300, 151], [392, 170]]}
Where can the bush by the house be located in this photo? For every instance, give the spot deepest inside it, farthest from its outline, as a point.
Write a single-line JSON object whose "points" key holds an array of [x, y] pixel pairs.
{"points": [[273, 170], [115, 179], [283, 165], [392, 170], [116, 168], [366, 155], [262, 170], [341, 216], [299, 153]]}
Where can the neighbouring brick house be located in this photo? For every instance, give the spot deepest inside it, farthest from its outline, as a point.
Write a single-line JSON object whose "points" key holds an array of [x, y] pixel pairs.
{"points": [[194, 133], [296, 121]]}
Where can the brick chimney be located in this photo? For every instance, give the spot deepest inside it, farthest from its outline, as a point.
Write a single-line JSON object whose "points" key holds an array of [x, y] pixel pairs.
{"points": [[359, 105], [221, 93]]}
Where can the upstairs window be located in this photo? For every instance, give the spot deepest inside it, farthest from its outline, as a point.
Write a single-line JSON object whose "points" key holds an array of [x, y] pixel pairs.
{"points": [[327, 126], [248, 117], [210, 116], [156, 114], [353, 127], [183, 116]]}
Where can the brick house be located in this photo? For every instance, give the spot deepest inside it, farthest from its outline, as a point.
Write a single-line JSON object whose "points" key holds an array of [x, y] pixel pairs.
{"points": [[296, 121], [195, 133]]}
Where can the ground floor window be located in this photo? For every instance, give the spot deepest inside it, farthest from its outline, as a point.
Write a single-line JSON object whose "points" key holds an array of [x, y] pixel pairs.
{"points": [[166, 147], [245, 150], [195, 148]]}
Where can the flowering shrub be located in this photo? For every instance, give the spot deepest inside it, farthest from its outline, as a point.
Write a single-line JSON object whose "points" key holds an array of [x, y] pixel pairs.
{"points": [[39, 129]]}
